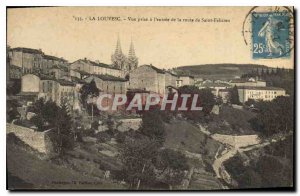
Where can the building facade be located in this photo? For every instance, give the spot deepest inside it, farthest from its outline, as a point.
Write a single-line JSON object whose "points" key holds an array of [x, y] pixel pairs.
{"points": [[259, 93], [33, 60], [85, 67], [48, 88], [149, 78], [185, 80], [108, 84]]}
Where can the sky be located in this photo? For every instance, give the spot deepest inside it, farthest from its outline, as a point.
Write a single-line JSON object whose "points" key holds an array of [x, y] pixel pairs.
{"points": [[165, 44]]}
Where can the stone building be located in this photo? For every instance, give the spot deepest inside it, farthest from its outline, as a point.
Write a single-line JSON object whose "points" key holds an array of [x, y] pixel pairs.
{"points": [[170, 79], [27, 59], [14, 72], [49, 88], [58, 71], [185, 80], [108, 83], [150, 78], [83, 67], [33, 60], [259, 93], [52, 62]]}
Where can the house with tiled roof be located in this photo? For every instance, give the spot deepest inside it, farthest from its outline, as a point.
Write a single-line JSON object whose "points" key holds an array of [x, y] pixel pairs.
{"points": [[91, 67]]}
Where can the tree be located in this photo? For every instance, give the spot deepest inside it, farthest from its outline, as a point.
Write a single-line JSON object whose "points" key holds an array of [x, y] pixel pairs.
{"points": [[95, 125], [172, 165], [38, 121], [48, 114], [205, 100], [11, 110], [276, 116], [234, 96], [250, 102], [88, 90], [63, 127], [137, 157], [152, 126]]}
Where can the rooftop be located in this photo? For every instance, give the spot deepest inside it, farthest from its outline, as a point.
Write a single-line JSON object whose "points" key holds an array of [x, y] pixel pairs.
{"points": [[27, 50], [60, 81], [107, 77], [212, 85], [156, 69], [260, 88], [186, 76], [81, 72], [137, 91], [97, 64], [77, 80], [60, 67], [171, 73], [65, 82], [54, 58], [43, 76]]}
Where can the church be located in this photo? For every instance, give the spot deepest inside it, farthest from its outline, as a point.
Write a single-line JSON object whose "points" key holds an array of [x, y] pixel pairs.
{"points": [[120, 61]]}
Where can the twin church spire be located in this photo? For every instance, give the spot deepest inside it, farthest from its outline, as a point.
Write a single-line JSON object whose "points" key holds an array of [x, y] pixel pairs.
{"points": [[119, 60]]}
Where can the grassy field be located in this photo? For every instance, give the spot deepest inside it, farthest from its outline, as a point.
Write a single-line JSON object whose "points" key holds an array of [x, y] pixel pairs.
{"points": [[26, 170], [184, 136]]}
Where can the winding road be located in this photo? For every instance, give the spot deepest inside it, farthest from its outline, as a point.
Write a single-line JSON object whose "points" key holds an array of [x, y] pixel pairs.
{"points": [[234, 144]]}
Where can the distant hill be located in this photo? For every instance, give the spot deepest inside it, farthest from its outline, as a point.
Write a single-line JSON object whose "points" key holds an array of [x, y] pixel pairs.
{"points": [[218, 71]]}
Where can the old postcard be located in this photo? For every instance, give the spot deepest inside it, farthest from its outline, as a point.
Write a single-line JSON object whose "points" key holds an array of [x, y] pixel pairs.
{"points": [[150, 98]]}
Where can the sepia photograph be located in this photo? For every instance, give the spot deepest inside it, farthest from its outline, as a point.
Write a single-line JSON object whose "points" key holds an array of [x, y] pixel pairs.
{"points": [[150, 98]]}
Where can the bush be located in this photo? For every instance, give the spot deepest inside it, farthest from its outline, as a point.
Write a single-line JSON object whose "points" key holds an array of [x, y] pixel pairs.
{"points": [[120, 138]]}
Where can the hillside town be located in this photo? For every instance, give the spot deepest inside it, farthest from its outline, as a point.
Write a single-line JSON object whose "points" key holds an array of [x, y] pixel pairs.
{"points": [[53, 119]]}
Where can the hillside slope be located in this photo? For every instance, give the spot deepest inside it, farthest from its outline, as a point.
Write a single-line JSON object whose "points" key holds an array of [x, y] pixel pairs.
{"points": [[218, 71]]}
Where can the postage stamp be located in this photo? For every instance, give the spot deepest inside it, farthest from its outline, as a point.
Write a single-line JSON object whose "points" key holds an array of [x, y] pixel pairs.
{"points": [[270, 35]]}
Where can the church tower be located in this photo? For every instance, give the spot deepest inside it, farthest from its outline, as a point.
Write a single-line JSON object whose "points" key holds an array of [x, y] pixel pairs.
{"points": [[132, 60], [118, 58]]}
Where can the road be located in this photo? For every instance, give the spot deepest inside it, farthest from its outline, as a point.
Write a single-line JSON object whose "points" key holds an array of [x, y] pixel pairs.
{"points": [[234, 144]]}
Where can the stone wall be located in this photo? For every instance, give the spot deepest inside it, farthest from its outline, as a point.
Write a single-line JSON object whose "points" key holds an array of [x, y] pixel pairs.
{"points": [[40, 141], [127, 124], [238, 140]]}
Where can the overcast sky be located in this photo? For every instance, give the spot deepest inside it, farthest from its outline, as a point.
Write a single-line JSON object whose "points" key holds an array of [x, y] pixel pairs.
{"points": [[164, 44]]}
